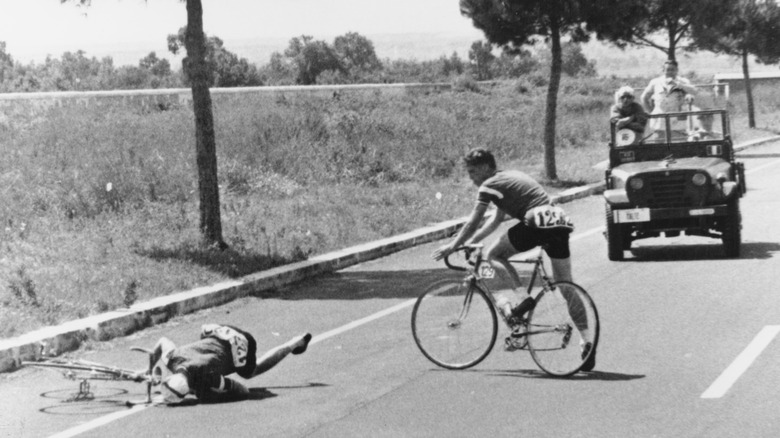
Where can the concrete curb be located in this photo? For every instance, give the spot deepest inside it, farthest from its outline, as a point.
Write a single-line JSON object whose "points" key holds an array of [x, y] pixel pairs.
{"points": [[55, 340], [69, 336], [752, 143]]}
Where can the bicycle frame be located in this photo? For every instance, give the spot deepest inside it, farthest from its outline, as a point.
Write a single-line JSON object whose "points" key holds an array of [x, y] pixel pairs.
{"points": [[455, 321], [84, 371], [475, 280]]}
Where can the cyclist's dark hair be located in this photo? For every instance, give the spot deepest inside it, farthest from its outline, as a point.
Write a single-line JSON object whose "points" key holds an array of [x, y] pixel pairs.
{"points": [[671, 62], [478, 156]]}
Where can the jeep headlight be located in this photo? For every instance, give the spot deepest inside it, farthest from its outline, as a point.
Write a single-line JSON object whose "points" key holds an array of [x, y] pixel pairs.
{"points": [[699, 179], [636, 183]]}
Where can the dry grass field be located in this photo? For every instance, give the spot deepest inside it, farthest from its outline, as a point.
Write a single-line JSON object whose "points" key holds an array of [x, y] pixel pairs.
{"points": [[98, 206]]}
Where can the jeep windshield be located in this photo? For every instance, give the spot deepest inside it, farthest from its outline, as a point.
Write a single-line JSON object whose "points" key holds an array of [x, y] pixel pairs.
{"points": [[672, 128]]}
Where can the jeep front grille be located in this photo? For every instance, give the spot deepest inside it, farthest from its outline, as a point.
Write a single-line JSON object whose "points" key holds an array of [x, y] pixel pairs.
{"points": [[668, 190]]}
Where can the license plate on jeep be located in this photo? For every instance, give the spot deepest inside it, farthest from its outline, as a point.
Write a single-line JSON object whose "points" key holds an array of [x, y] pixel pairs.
{"points": [[633, 215]]}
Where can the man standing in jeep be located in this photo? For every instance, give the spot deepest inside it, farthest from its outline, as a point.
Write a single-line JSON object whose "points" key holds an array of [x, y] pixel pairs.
{"points": [[657, 95]]}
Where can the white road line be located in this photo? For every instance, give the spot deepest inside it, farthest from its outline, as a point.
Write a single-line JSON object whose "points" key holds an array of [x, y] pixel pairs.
{"points": [[318, 338], [94, 424], [730, 375], [585, 234], [359, 322]]}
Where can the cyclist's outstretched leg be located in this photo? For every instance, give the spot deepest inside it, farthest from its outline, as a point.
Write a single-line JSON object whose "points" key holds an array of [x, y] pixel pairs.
{"points": [[561, 268], [272, 357]]}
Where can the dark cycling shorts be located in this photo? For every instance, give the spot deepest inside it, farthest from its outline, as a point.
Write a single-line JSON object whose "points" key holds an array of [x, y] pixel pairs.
{"points": [[525, 238]]}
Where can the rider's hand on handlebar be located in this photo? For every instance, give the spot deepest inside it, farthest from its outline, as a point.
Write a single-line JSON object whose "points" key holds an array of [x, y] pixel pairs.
{"points": [[442, 252]]}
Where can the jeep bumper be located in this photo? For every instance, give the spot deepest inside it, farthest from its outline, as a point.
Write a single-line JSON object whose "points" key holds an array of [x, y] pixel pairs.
{"points": [[640, 215]]}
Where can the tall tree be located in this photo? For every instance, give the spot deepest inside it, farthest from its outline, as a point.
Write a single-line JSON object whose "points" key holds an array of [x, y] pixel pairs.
{"points": [[659, 24], [748, 27], [512, 24], [205, 141], [197, 71]]}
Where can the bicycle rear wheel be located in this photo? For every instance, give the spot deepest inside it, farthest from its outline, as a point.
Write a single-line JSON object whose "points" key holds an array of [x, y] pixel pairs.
{"points": [[454, 324], [562, 323]]}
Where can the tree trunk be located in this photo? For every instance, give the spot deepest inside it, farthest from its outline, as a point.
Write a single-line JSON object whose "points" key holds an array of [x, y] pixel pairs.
{"points": [[748, 90], [552, 101], [671, 27], [205, 142]]}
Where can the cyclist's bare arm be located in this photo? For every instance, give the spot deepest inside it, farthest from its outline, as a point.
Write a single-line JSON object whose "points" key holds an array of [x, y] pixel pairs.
{"points": [[468, 230], [491, 225]]}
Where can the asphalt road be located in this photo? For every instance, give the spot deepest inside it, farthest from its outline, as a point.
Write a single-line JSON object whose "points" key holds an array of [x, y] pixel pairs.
{"points": [[688, 348]]}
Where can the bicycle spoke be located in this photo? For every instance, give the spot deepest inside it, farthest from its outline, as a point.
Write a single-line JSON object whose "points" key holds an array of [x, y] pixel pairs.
{"points": [[454, 325]]}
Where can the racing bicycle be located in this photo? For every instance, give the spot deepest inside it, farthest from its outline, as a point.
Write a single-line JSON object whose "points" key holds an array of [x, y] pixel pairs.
{"points": [[84, 372], [455, 321]]}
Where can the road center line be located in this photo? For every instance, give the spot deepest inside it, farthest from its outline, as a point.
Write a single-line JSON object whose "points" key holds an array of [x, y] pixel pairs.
{"points": [[359, 322], [730, 375]]}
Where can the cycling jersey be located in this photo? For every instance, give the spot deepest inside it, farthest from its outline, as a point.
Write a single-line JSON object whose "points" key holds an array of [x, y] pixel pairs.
{"points": [[220, 352], [512, 192], [521, 197]]}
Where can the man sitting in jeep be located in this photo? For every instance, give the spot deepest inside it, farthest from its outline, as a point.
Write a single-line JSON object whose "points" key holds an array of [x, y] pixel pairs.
{"points": [[627, 113]]}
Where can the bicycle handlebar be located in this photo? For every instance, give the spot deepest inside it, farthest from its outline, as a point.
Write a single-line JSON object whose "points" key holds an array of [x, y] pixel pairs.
{"points": [[467, 249]]}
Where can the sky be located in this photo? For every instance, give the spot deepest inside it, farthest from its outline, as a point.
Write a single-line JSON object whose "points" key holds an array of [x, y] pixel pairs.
{"points": [[32, 29]]}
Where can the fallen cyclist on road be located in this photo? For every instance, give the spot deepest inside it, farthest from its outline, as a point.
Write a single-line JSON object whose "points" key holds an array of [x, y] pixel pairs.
{"points": [[516, 194], [200, 368]]}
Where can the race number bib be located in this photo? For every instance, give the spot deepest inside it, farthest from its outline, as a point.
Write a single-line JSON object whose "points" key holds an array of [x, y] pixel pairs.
{"points": [[548, 217], [486, 270], [239, 345]]}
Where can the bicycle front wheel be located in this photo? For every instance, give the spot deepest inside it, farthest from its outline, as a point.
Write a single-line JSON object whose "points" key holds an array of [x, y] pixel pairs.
{"points": [[454, 324], [561, 325]]}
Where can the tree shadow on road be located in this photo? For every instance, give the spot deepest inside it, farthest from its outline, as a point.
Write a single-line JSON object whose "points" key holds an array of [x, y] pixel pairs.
{"points": [[354, 285], [359, 285], [672, 252]]}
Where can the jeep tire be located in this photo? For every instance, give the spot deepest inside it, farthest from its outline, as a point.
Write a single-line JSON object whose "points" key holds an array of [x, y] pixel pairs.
{"points": [[732, 229], [615, 236]]}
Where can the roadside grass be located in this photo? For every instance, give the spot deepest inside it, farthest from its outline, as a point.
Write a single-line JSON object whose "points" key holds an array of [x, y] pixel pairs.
{"points": [[98, 206]]}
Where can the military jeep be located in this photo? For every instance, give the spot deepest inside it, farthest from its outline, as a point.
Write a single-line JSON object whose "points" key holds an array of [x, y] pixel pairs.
{"points": [[678, 176]]}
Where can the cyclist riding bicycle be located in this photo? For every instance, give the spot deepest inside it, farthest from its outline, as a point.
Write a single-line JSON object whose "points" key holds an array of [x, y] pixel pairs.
{"points": [[200, 368], [541, 223]]}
